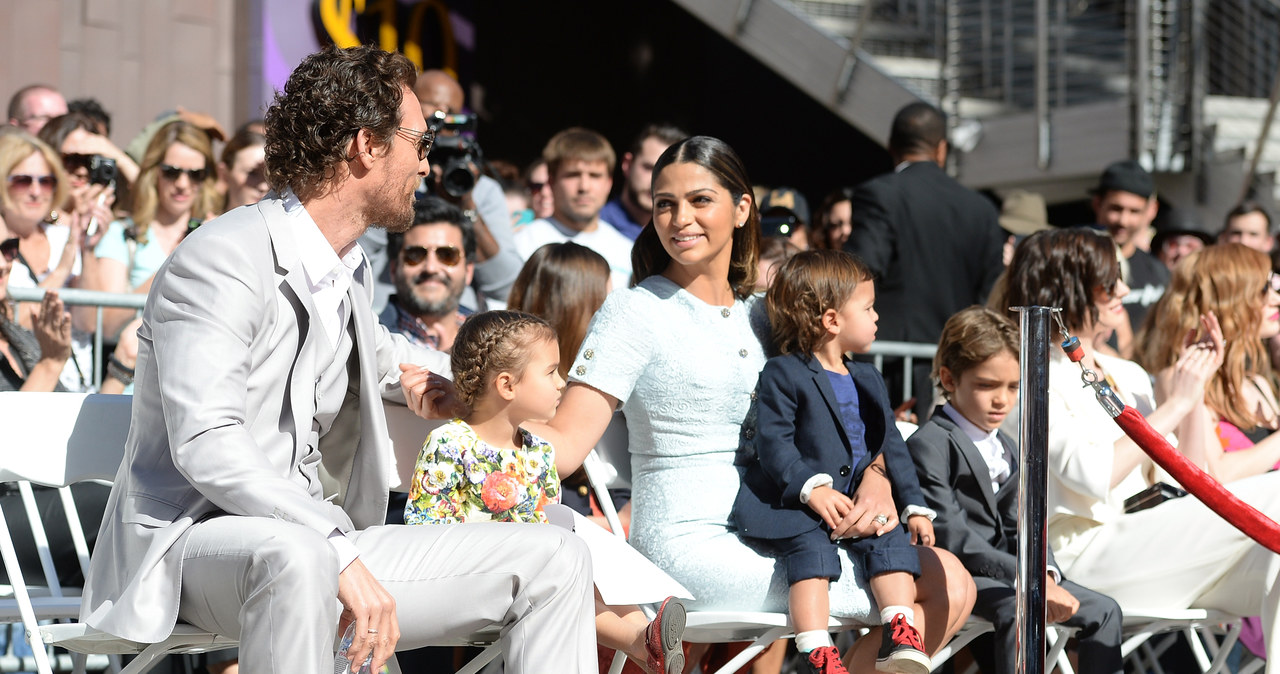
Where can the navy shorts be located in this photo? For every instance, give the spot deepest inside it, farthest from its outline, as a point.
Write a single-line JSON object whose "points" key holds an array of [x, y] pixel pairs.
{"points": [[813, 554]]}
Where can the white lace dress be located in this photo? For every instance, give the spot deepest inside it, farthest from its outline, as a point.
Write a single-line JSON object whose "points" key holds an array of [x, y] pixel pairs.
{"points": [[686, 374]]}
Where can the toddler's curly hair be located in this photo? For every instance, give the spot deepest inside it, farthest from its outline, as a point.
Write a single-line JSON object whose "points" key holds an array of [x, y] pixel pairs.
{"points": [[803, 289], [492, 342]]}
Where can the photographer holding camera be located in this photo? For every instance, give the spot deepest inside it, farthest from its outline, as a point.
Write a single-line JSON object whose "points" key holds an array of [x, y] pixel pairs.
{"points": [[456, 160], [456, 177]]}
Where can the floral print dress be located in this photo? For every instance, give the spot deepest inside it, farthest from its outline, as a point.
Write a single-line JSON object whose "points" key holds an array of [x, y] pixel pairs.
{"points": [[460, 478]]}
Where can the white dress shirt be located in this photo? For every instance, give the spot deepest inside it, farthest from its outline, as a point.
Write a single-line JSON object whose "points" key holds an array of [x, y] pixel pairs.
{"points": [[988, 444], [329, 277]]}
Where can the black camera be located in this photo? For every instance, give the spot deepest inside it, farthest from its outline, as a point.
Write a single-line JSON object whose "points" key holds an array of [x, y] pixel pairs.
{"points": [[102, 170], [455, 151]]}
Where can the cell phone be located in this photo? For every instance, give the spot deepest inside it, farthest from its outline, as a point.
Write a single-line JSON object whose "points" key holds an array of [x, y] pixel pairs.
{"points": [[1152, 496], [102, 170], [92, 230]]}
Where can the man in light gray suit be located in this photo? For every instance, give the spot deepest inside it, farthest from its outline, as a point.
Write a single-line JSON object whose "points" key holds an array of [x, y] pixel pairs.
{"points": [[255, 479]]}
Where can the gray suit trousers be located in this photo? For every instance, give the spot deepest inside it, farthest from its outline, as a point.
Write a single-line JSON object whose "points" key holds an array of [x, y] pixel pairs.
{"points": [[273, 585]]}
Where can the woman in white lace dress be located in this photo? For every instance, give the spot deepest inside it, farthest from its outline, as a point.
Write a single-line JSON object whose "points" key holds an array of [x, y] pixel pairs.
{"points": [[680, 353]]}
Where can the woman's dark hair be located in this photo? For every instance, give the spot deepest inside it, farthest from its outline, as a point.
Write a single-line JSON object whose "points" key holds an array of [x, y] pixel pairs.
{"points": [[58, 128], [564, 283], [329, 97], [649, 257], [245, 137], [818, 235], [1059, 268]]}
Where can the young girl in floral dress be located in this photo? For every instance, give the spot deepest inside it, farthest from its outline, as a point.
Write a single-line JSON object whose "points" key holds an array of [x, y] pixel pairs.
{"points": [[485, 467]]}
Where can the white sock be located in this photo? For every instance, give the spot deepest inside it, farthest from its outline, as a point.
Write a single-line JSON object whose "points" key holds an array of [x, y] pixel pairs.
{"points": [[813, 640], [887, 613]]}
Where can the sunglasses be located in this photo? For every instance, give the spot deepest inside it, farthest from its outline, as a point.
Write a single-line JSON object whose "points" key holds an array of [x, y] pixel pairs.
{"points": [[24, 181], [537, 187], [421, 139], [171, 172], [9, 249], [1273, 283], [448, 256], [72, 161]]}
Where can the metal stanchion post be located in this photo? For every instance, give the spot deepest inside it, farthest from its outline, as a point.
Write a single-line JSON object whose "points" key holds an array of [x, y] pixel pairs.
{"points": [[1033, 442]]}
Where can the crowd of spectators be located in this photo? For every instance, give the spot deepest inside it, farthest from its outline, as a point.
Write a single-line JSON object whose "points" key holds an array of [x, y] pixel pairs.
{"points": [[78, 211]]}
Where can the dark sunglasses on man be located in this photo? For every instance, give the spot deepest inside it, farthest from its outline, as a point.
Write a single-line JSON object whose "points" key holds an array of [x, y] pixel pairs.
{"points": [[448, 256], [170, 172], [422, 140], [9, 249]]}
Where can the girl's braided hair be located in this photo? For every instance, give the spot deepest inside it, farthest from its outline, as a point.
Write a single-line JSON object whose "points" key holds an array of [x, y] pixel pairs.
{"points": [[492, 342]]}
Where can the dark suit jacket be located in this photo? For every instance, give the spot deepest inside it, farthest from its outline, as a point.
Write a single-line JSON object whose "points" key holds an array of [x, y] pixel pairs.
{"points": [[978, 526], [799, 433], [933, 245]]}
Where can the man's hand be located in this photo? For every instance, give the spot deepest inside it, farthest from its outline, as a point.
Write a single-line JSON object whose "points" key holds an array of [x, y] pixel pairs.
{"points": [[429, 395], [1059, 604], [366, 603], [830, 504], [921, 530]]}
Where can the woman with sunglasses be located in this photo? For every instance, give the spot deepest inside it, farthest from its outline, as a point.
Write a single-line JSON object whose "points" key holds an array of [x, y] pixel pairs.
{"points": [[242, 169], [174, 192], [1235, 284], [1176, 554], [34, 183]]}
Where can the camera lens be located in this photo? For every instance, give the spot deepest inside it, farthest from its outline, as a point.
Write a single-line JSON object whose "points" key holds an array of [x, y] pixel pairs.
{"points": [[456, 177]]}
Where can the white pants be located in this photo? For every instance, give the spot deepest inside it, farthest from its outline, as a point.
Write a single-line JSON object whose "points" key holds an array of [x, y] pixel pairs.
{"points": [[1180, 554], [273, 585]]}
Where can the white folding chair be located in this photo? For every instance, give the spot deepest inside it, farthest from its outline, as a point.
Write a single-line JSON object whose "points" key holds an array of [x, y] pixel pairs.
{"points": [[59, 439], [81, 437], [1210, 634]]}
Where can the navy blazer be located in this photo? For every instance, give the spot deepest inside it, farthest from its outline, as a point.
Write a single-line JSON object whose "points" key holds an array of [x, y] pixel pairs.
{"points": [[978, 525], [799, 433]]}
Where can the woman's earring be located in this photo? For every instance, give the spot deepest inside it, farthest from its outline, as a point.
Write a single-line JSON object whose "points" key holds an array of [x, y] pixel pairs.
{"points": [[740, 224]]}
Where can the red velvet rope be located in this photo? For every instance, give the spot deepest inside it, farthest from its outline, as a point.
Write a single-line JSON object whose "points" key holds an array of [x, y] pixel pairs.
{"points": [[1241, 515]]}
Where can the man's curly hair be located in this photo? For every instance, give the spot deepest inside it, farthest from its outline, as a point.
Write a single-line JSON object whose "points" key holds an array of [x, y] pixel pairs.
{"points": [[328, 98]]}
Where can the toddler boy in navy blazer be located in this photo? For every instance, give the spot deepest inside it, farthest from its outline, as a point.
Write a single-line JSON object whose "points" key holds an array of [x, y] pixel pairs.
{"points": [[824, 430]]}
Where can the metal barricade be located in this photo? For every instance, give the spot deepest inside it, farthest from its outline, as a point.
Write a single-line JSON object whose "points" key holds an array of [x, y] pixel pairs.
{"points": [[908, 351], [74, 297]]}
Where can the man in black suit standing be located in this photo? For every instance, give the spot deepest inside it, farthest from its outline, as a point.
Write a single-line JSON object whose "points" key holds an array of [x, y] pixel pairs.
{"points": [[933, 245]]}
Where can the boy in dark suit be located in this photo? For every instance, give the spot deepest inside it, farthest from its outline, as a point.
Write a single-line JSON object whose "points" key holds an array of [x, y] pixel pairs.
{"points": [[822, 422], [969, 475]]}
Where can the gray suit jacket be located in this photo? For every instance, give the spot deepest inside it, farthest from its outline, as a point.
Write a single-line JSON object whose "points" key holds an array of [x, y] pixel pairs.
{"points": [[226, 388], [976, 524]]}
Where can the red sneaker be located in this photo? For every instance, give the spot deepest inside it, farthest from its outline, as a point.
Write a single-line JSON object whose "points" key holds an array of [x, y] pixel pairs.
{"points": [[663, 637], [825, 660], [901, 650]]}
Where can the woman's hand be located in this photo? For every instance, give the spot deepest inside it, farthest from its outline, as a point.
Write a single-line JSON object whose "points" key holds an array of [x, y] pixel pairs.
{"points": [[873, 499], [91, 213], [52, 328], [429, 395], [921, 529], [1197, 362]]}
